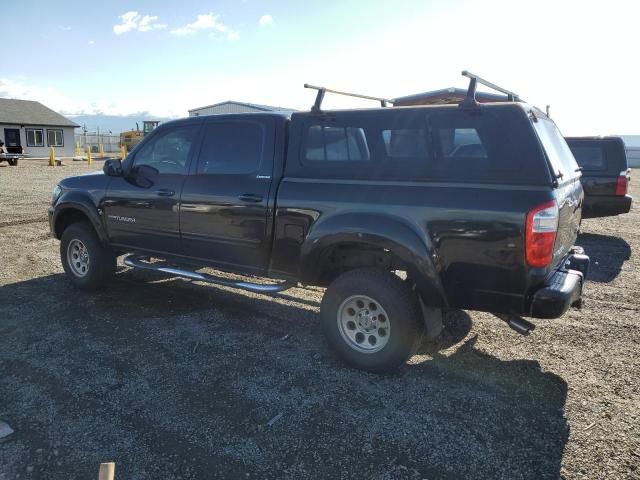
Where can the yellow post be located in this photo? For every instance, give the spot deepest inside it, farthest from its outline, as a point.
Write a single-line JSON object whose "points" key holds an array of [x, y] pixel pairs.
{"points": [[89, 162], [123, 152], [78, 150], [101, 150], [52, 157]]}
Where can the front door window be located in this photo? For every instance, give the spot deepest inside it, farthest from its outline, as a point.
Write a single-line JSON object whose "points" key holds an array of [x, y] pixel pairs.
{"points": [[168, 152]]}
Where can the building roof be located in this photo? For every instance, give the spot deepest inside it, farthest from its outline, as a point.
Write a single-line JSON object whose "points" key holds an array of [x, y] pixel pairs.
{"points": [[256, 106], [28, 112], [445, 96]]}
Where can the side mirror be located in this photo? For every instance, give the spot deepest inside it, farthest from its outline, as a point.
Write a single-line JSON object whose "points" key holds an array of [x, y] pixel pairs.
{"points": [[112, 167]]}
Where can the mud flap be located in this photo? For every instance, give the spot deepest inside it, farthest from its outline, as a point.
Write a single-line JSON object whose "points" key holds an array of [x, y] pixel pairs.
{"points": [[432, 321]]}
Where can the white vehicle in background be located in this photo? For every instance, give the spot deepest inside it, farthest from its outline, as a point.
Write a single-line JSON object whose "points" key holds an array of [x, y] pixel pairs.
{"points": [[10, 157]]}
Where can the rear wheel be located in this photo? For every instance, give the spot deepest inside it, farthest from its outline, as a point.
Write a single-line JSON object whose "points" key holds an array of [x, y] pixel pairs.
{"points": [[87, 263], [13, 162], [371, 319]]}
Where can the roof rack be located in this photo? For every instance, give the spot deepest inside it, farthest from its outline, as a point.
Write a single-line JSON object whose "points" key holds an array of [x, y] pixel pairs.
{"points": [[322, 90], [470, 100]]}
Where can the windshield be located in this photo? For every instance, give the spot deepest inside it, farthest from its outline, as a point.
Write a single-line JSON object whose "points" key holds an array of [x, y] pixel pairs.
{"points": [[563, 163]]}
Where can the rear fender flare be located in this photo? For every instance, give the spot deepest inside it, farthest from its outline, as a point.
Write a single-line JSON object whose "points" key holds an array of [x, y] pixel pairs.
{"points": [[387, 232]]}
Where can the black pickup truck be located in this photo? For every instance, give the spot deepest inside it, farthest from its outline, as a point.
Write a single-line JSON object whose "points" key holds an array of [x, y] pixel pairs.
{"points": [[401, 213]]}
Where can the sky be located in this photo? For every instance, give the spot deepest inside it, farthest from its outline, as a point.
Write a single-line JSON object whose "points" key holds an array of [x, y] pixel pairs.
{"points": [[163, 58]]}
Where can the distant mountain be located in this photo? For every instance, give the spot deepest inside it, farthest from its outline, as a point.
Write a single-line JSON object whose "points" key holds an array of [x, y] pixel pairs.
{"points": [[114, 123]]}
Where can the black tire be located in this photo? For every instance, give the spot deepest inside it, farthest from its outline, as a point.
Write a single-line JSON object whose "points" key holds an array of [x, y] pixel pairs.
{"points": [[101, 261], [13, 162], [394, 297]]}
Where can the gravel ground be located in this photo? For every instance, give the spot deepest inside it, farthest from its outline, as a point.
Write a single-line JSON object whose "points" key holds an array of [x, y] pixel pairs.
{"points": [[172, 379]]}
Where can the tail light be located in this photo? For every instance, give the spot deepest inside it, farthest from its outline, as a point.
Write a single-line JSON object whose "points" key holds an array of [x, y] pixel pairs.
{"points": [[621, 184], [540, 235]]}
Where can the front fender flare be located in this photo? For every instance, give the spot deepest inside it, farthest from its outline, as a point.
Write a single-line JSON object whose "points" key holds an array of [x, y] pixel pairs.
{"points": [[83, 203]]}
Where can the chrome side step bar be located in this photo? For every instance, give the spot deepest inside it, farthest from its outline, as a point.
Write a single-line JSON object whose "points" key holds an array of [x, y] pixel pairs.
{"points": [[141, 262]]}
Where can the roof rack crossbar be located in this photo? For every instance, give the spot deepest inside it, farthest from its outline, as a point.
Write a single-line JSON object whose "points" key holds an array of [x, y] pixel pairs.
{"points": [[470, 99], [322, 90]]}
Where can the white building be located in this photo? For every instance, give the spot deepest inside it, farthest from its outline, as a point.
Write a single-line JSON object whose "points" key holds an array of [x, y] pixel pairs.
{"points": [[231, 106], [30, 127], [632, 145]]}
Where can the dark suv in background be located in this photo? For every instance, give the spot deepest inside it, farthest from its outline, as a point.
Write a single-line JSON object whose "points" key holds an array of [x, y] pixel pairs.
{"points": [[605, 174]]}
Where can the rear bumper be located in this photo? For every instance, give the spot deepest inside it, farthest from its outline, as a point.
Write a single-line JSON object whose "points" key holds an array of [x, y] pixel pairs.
{"points": [[562, 290], [605, 206]]}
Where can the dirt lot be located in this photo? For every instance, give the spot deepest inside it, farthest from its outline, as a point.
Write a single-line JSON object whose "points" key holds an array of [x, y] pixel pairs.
{"points": [[171, 379]]}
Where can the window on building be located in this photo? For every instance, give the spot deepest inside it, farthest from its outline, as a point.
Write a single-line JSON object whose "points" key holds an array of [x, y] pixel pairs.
{"points": [[55, 137], [35, 137], [231, 148]]}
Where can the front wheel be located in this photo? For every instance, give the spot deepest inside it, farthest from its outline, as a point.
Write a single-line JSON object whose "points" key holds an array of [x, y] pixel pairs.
{"points": [[371, 319], [87, 263]]}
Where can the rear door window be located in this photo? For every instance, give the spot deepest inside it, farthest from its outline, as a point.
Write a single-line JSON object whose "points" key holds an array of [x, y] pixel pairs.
{"points": [[231, 148], [589, 157]]}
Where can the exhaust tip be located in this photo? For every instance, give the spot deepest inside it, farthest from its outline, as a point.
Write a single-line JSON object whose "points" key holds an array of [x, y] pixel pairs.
{"points": [[520, 325]]}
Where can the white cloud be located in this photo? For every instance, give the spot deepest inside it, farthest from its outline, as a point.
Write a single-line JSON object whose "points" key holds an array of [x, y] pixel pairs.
{"points": [[20, 88], [49, 96], [206, 21], [146, 23], [537, 68], [265, 20], [64, 28], [91, 42], [128, 22], [134, 21]]}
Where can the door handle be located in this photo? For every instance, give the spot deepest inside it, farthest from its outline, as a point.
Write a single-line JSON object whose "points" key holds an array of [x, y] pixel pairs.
{"points": [[251, 197], [165, 192]]}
